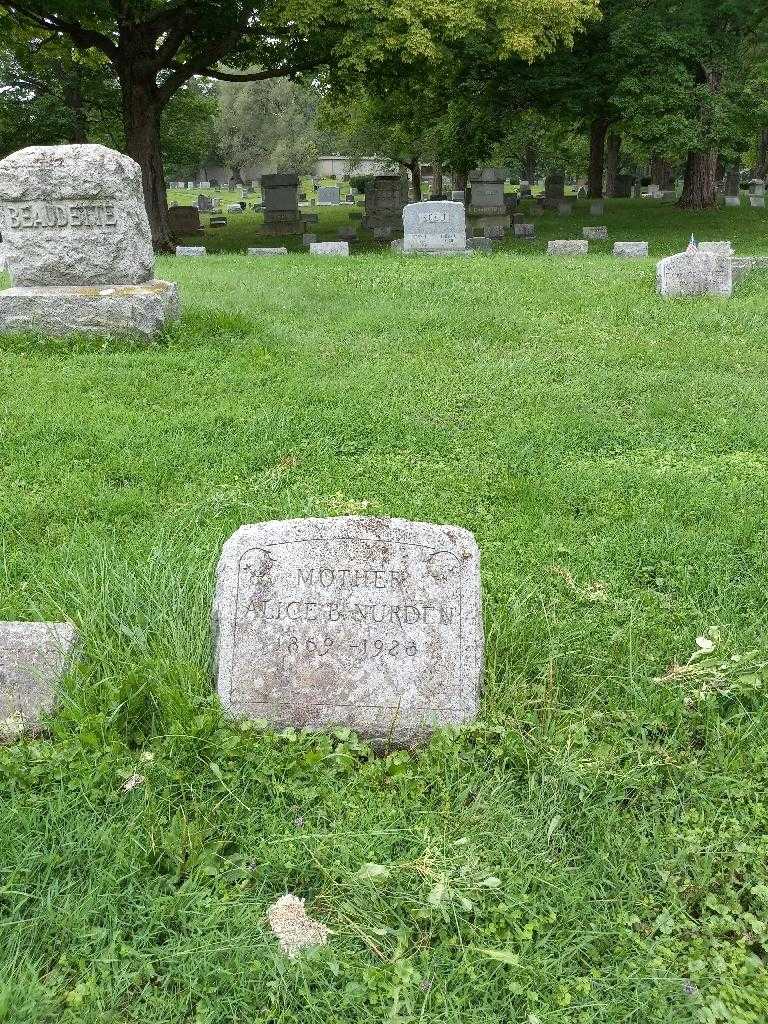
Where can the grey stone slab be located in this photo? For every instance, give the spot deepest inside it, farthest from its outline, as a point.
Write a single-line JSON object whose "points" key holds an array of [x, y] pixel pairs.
{"points": [[568, 247], [757, 202], [434, 227], [597, 208], [457, 196], [33, 658], [350, 234], [329, 248], [382, 234], [494, 231], [630, 250], [373, 624], [695, 273], [264, 250], [74, 215], [598, 233], [307, 239], [732, 201], [328, 195], [234, 208], [565, 209], [525, 230], [121, 309], [482, 243], [191, 250], [719, 248]]}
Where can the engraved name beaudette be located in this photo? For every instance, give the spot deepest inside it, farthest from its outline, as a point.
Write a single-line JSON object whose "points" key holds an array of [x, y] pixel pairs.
{"points": [[68, 214]]}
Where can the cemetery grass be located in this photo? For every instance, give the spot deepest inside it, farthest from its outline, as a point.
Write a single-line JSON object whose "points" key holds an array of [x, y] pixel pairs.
{"points": [[594, 848]]}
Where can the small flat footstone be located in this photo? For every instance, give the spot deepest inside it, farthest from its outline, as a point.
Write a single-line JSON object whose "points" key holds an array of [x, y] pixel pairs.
{"points": [[597, 233], [480, 244], [372, 624], [33, 658], [568, 247], [121, 309], [630, 250], [263, 250], [191, 250], [329, 248]]}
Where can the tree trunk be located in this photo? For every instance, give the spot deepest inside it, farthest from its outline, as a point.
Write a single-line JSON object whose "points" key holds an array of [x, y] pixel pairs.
{"points": [[613, 150], [661, 172], [142, 109], [761, 168], [460, 180], [597, 132], [73, 97], [415, 169], [699, 181], [529, 163], [437, 179]]}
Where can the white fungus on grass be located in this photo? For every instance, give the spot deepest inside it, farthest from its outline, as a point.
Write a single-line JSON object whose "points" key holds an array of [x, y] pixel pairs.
{"points": [[294, 929]]}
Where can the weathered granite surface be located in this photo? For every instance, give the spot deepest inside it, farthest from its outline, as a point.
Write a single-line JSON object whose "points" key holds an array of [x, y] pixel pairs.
{"points": [[434, 227], [598, 233], [265, 250], [329, 248], [74, 215], [118, 310], [33, 658], [191, 250], [524, 230], [568, 247], [369, 623], [695, 273], [630, 250]]}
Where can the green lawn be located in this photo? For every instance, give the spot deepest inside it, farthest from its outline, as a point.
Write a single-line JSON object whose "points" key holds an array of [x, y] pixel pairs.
{"points": [[594, 850]]}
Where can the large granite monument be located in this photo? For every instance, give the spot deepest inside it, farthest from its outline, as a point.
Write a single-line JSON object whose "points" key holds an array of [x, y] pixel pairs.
{"points": [[374, 624], [78, 245], [280, 196], [435, 227]]}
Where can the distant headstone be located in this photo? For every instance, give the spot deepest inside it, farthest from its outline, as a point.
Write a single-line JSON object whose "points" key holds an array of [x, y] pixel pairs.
{"points": [[276, 250], [204, 204], [386, 196], [234, 208], [733, 201], [582, 192], [191, 250], [494, 231], [370, 624], [218, 222], [757, 202], [184, 220], [328, 195], [525, 189], [525, 230], [623, 186], [565, 209], [382, 234], [350, 234], [486, 203], [630, 250], [205, 184], [190, 184], [78, 245], [280, 195], [311, 218], [33, 658], [757, 187], [597, 208], [396, 245], [434, 227], [554, 190], [457, 195], [568, 247], [329, 248], [597, 233], [308, 239], [695, 273], [480, 243]]}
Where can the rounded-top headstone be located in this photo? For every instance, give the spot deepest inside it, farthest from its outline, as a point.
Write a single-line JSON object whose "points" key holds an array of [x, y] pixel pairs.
{"points": [[74, 215]]}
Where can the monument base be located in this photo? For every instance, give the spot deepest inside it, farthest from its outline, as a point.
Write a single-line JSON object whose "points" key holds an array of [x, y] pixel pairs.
{"points": [[112, 309]]}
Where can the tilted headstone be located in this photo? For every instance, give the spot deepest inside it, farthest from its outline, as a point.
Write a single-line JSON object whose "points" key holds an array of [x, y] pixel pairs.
{"points": [[328, 195], [695, 273], [329, 248], [33, 658], [78, 244], [597, 233], [191, 250], [372, 624], [386, 196], [568, 247], [263, 250], [434, 228], [630, 250]]}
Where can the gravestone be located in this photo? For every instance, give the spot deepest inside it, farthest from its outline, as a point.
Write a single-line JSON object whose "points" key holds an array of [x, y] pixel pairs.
{"points": [[598, 233], [204, 204], [78, 245], [630, 250], [191, 250], [349, 234], [582, 192], [481, 243], [234, 208], [525, 189], [554, 190], [622, 188], [386, 196], [457, 195], [732, 201], [597, 208], [372, 624], [494, 231], [652, 192], [568, 247], [757, 202], [486, 205], [328, 195], [205, 184], [218, 222], [307, 239], [525, 230], [280, 198], [565, 209], [695, 273], [720, 248], [757, 193], [184, 220], [329, 248], [437, 228], [277, 250], [382, 234], [33, 658]]}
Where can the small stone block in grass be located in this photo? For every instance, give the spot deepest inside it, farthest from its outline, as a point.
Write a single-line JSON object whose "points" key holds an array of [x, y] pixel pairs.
{"points": [[568, 247]]}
